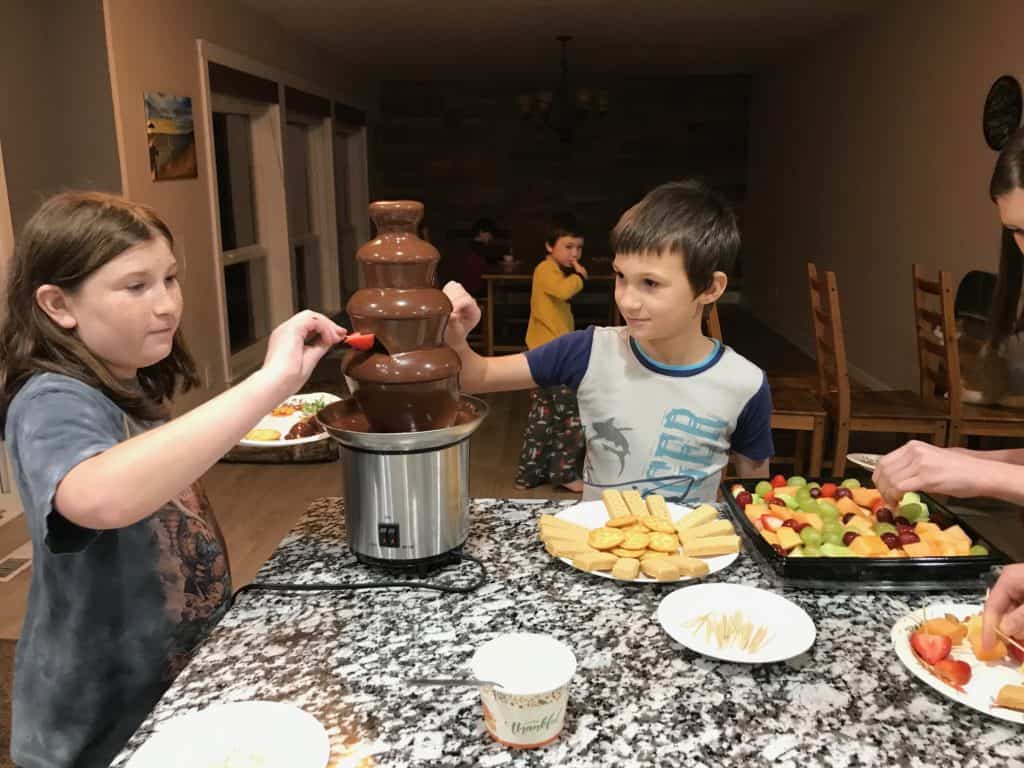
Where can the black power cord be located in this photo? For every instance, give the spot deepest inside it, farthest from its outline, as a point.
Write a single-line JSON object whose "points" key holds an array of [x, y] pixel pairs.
{"points": [[290, 587]]}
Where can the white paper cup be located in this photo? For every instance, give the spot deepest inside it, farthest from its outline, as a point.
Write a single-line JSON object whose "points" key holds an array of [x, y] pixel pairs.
{"points": [[534, 672]]}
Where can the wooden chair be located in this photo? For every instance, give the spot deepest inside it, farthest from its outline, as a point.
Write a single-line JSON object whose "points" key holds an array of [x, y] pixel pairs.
{"points": [[793, 409], [900, 411], [938, 354]]}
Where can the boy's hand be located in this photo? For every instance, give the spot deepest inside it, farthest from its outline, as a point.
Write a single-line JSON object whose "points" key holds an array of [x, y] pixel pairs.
{"points": [[579, 269], [464, 317], [1003, 609], [919, 466]]}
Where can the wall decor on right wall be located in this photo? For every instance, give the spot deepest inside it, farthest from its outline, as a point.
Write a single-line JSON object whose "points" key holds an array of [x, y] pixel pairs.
{"points": [[1002, 113]]}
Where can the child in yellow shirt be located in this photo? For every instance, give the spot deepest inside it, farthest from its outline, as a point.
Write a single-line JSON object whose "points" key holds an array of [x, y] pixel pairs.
{"points": [[553, 443]]}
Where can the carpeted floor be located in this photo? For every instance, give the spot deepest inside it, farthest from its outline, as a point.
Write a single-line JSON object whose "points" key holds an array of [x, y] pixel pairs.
{"points": [[6, 678]]}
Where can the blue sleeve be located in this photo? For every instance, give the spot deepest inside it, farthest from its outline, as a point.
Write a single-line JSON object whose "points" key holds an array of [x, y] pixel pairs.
{"points": [[562, 361], [51, 430], [753, 435]]}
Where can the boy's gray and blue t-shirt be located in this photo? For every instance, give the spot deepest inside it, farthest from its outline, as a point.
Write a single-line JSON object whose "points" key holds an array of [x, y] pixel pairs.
{"points": [[658, 428], [112, 615]]}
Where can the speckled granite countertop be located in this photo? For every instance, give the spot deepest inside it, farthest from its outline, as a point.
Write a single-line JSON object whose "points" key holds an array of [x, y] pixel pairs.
{"points": [[638, 698]]}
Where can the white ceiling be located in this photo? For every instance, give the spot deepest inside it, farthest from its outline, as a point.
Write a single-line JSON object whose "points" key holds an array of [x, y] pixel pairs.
{"points": [[454, 39]]}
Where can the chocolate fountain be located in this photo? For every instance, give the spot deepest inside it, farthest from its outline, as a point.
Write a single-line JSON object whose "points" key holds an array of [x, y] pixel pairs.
{"points": [[404, 433]]}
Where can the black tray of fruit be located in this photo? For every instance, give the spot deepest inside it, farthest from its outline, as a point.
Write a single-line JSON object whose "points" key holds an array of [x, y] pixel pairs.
{"points": [[835, 534]]}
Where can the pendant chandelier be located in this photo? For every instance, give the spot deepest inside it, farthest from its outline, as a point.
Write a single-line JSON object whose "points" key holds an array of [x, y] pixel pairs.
{"points": [[563, 109]]}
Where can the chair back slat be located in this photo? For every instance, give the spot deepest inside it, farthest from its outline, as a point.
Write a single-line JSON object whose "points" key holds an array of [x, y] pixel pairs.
{"points": [[938, 352], [712, 325], [829, 345]]}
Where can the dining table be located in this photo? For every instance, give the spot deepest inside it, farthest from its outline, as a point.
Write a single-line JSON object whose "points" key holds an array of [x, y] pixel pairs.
{"points": [[638, 698], [498, 274]]}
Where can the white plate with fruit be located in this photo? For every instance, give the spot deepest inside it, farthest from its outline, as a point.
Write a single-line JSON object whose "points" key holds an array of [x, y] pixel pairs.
{"points": [[940, 645], [801, 519], [627, 538], [293, 422], [737, 623]]}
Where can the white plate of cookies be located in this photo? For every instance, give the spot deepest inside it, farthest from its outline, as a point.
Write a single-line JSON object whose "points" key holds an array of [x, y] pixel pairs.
{"points": [[629, 538]]}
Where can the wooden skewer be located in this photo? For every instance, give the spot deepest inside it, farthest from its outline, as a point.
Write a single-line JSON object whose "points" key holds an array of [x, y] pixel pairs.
{"points": [[1007, 639]]}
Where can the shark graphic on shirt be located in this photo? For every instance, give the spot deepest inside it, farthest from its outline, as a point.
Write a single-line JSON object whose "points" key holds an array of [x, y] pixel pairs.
{"points": [[606, 436]]}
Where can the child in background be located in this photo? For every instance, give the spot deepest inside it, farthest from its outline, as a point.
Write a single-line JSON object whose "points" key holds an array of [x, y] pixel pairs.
{"points": [[662, 406], [553, 444], [129, 568]]}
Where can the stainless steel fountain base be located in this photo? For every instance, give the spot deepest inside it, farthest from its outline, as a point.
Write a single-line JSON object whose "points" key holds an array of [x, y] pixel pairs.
{"points": [[407, 494]]}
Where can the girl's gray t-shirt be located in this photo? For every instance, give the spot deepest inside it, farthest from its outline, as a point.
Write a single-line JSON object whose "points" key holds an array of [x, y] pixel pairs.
{"points": [[112, 615]]}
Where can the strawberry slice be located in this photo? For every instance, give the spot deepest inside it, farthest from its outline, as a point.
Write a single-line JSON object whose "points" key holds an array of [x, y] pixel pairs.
{"points": [[930, 648], [778, 481], [771, 522], [361, 341], [828, 490], [956, 673]]}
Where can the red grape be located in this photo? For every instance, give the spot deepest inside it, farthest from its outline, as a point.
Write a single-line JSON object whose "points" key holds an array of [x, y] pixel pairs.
{"points": [[844, 493], [744, 498], [901, 520], [892, 541], [884, 515], [908, 537], [848, 537]]}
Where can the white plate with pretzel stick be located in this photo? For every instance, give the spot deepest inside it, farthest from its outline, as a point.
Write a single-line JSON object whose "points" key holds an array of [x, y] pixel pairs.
{"points": [[736, 623], [587, 537]]}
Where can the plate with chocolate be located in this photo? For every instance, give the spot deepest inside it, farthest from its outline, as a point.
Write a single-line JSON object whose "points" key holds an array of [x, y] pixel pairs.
{"points": [[293, 422]]}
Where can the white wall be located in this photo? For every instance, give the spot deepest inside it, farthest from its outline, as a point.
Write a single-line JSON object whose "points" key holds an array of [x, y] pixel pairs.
{"points": [[866, 156]]}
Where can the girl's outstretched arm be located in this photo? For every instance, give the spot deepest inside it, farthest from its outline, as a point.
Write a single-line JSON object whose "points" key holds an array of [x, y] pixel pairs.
{"points": [[130, 481]]}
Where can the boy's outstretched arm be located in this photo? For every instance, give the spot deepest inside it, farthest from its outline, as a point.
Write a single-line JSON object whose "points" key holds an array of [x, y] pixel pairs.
{"points": [[481, 374], [749, 467]]}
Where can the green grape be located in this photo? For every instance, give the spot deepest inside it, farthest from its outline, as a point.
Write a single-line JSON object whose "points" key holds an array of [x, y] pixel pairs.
{"points": [[811, 536], [850, 482], [832, 525], [797, 481], [810, 507], [796, 552], [910, 498], [833, 537], [763, 488], [803, 493], [812, 551], [978, 550], [912, 511], [832, 550], [755, 499], [881, 528], [789, 500], [828, 512]]}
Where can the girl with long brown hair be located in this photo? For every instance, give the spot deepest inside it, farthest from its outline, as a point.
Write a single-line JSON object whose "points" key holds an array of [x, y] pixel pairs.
{"points": [[129, 568]]}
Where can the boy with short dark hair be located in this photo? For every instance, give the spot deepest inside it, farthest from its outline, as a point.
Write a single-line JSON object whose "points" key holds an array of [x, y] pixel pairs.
{"points": [[663, 406]]}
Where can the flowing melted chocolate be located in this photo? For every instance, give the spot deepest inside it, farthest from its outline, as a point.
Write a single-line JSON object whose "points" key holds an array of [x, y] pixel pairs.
{"points": [[414, 385]]}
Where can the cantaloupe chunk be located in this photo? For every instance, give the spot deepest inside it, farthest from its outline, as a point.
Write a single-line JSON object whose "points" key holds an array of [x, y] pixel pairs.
{"points": [[770, 536], [897, 553], [849, 506], [918, 549], [996, 653], [869, 546], [786, 490], [814, 520], [865, 497], [958, 536], [927, 531], [754, 511], [788, 538]]}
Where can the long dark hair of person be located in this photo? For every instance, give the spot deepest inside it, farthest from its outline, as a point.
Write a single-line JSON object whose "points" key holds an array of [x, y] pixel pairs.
{"points": [[1007, 176]]}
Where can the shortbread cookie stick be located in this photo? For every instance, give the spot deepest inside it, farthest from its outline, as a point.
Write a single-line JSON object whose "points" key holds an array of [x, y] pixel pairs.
{"points": [[635, 502], [690, 566], [614, 503], [712, 546], [627, 568], [705, 513], [656, 506], [595, 561], [714, 528]]}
